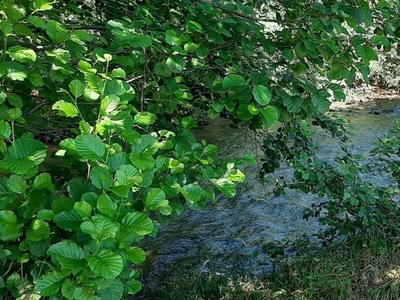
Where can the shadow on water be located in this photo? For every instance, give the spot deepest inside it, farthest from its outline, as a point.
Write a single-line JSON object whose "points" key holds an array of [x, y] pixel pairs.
{"points": [[230, 235]]}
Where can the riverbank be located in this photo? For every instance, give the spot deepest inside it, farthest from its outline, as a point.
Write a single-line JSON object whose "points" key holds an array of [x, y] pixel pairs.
{"points": [[358, 268]]}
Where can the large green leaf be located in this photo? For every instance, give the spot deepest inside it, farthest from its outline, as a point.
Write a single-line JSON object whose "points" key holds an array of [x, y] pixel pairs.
{"points": [[233, 80], [68, 254], [225, 186], [155, 198], [145, 118], [13, 70], [101, 178], [175, 63], [366, 53], [135, 255], [142, 160], [100, 228], [76, 88], [106, 264], [294, 104], [17, 184], [83, 209], [49, 284], [195, 195], [56, 31], [43, 181], [5, 130], [66, 109], [270, 115], [109, 104], [68, 220], [38, 230], [22, 54], [68, 289], [262, 94], [106, 205], [24, 154], [114, 291], [320, 100], [90, 147], [127, 175], [139, 223], [9, 228]]}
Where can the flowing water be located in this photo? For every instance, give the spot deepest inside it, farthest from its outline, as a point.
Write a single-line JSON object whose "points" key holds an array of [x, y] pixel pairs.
{"points": [[229, 236]]}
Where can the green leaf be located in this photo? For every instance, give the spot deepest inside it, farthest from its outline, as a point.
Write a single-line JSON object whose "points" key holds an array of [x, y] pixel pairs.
{"points": [[90, 147], [127, 175], [109, 104], [13, 70], [42, 5], [49, 284], [270, 116], [23, 155], [337, 90], [101, 178], [194, 195], [171, 37], [155, 198], [233, 80], [37, 22], [193, 26], [294, 104], [83, 209], [100, 228], [45, 215], [43, 181], [142, 160], [225, 186], [68, 254], [175, 63], [35, 78], [133, 287], [106, 205], [140, 41], [17, 184], [68, 220], [188, 122], [135, 255], [262, 94], [118, 73], [161, 69], [38, 230], [77, 88], [9, 229], [5, 130], [320, 101], [106, 264], [380, 40], [115, 291], [139, 223], [84, 293], [145, 118], [66, 109], [57, 32], [366, 53], [22, 54], [68, 288]]}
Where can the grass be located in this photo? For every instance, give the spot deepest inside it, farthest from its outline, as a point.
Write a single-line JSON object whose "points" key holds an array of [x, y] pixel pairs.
{"points": [[358, 268]]}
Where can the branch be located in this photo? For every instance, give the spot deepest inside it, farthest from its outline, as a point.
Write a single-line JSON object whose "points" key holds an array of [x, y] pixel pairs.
{"points": [[241, 15]]}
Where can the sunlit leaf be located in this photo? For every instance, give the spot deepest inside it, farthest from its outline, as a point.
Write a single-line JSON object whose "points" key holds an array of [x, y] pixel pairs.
{"points": [[106, 264]]}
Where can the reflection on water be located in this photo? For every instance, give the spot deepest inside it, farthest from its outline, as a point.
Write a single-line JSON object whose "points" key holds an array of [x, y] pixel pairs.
{"points": [[229, 236]]}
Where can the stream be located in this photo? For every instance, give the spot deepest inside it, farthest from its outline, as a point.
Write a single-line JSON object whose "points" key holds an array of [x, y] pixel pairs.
{"points": [[229, 236]]}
